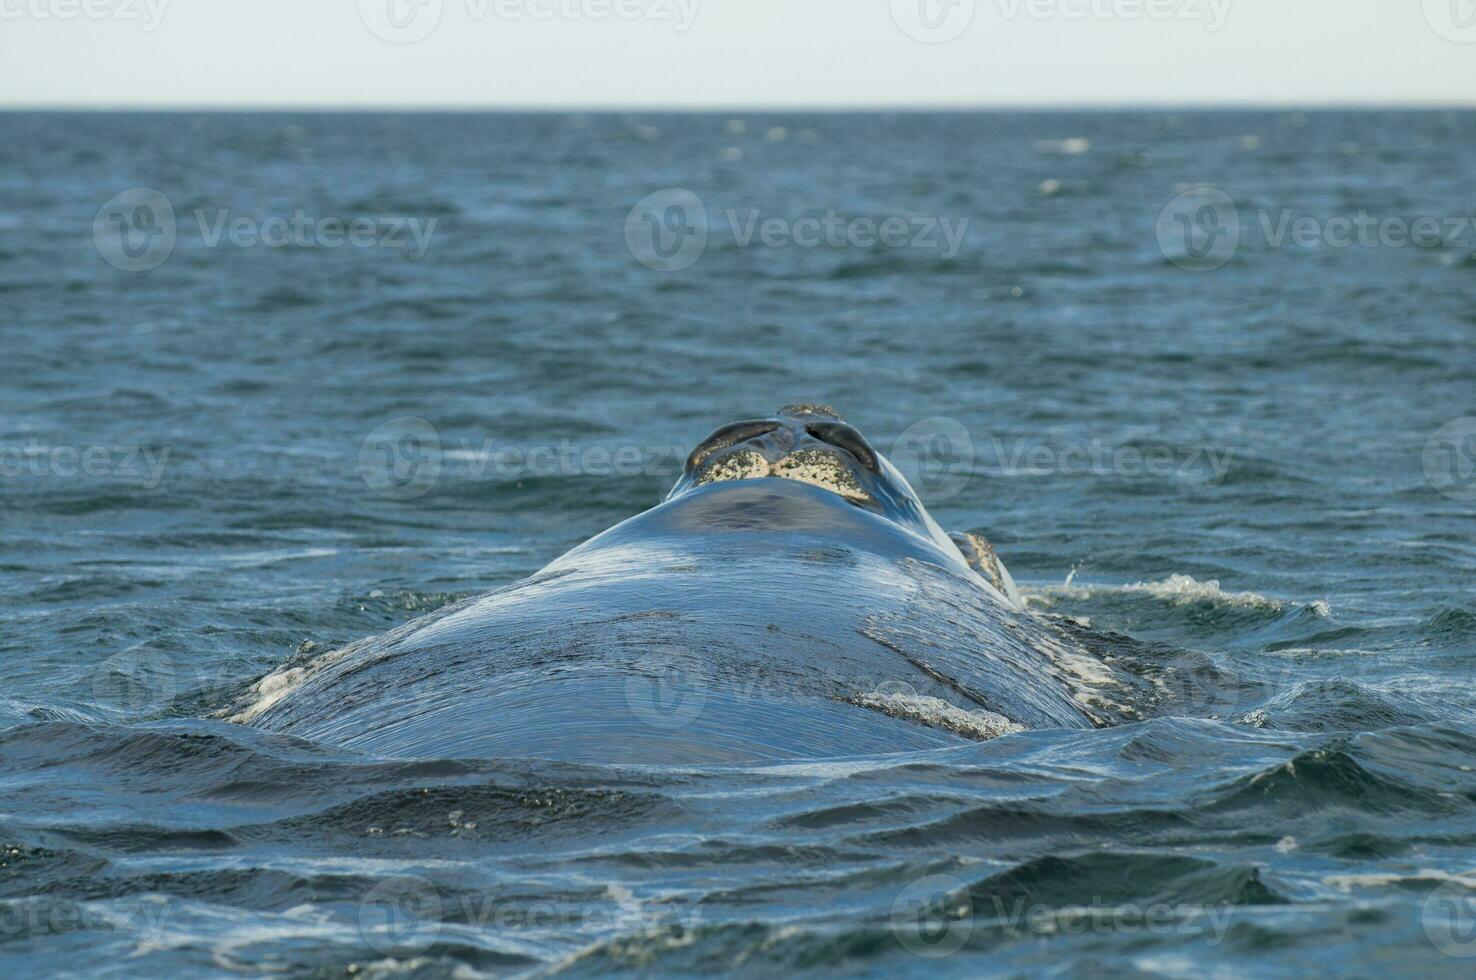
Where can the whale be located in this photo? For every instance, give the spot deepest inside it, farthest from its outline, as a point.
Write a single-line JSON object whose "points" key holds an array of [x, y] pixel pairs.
{"points": [[790, 599]]}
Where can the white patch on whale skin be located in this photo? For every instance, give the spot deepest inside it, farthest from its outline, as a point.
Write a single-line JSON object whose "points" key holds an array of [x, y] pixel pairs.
{"points": [[811, 466], [1084, 667], [742, 465], [1092, 678], [265, 693], [979, 725], [820, 469], [268, 691]]}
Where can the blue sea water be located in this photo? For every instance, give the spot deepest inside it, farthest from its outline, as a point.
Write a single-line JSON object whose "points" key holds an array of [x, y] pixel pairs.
{"points": [[1199, 376]]}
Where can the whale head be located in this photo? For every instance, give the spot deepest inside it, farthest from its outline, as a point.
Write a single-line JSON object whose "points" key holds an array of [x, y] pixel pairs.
{"points": [[809, 444]]}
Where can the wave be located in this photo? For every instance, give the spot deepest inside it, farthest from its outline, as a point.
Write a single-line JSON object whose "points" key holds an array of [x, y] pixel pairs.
{"points": [[1109, 879], [394, 202], [1450, 624], [1329, 779], [1179, 589], [1338, 705], [584, 868], [282, 298]]}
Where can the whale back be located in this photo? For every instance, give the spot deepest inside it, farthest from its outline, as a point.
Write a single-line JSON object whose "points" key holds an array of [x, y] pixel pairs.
{"points": [[740, 624]]}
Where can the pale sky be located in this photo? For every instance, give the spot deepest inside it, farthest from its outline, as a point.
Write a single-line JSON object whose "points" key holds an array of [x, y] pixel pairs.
{"points": [[734, 53]]}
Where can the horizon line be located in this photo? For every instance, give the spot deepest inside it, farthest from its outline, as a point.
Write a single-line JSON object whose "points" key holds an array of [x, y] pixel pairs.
{"points": [[702, 109]]}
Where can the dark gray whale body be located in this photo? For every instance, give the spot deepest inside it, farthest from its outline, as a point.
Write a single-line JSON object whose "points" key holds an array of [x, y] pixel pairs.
{"points": [[791, 599]]}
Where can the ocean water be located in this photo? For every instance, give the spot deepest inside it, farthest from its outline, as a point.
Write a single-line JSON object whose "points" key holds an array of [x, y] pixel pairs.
{"points": [[1205, 379]]}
